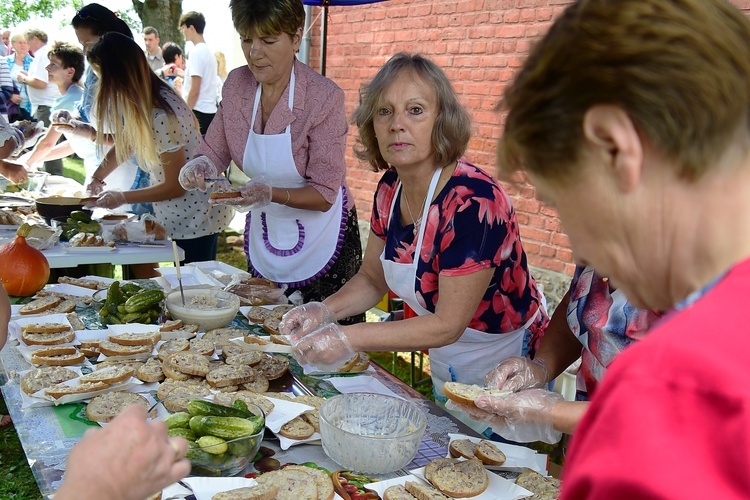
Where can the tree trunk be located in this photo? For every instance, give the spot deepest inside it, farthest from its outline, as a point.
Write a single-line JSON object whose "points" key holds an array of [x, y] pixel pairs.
{"points": [[162, 15]]}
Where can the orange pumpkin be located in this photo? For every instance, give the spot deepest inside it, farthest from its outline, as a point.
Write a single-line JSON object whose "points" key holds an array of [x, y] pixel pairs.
{"points": [[24, 270]]}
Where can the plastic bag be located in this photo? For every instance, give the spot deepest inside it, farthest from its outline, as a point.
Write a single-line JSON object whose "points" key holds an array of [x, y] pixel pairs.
{"points": [[256, 291], [143, 230], [43, 237]]}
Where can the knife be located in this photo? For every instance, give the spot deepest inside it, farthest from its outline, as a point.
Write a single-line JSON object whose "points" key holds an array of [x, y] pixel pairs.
{"points": [[177, 266]]}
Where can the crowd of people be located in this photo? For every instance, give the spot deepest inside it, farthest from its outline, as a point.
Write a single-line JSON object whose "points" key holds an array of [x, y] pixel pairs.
{"points": [[639, 142]]}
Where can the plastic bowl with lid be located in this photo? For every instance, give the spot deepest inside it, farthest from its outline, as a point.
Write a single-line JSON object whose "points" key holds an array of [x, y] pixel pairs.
{"points": [[207, 308], [371, 433]]}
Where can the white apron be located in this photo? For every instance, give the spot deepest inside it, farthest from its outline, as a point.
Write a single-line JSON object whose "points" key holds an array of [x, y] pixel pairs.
{"points": [[284, 244], [475, 353]]}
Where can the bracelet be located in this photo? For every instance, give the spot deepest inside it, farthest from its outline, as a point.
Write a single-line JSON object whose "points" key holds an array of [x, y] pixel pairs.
{"points": [[97, 179], [287, 197]]}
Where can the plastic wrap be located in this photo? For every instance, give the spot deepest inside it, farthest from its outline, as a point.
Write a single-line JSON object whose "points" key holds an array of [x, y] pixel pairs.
{"points": [[44, 238], [143, 230], [256, 291]]}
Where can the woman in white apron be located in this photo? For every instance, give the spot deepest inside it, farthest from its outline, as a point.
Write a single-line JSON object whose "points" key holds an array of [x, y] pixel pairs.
{"points": [[284, 125], [593, 322], [444, 238]]}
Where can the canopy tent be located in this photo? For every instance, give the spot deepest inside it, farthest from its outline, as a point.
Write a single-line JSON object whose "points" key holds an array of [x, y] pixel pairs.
{"points": [[326, 3], [324, 24]]}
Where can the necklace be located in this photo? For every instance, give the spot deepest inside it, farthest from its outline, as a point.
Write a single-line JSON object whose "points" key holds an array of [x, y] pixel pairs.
{"points": [[418, 220]]}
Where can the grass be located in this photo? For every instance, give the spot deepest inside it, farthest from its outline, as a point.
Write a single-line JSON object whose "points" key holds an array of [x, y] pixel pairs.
{"points": [[16, 480], [73, 169], [402, 369]]}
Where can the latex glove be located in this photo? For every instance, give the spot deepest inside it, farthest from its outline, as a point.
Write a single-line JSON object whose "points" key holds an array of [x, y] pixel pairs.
{"points": [[60, 116], [327, 348], [516, 373], [255, 194], [304, 319], [95, 187], [129, 458], [194, 173], [108, 199], [32, 134], [26, 135], [75, 127], [523, 417]]}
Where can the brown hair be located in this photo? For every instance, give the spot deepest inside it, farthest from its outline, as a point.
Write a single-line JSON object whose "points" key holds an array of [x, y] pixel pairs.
{"points": [[70, 56], [452, 129], [195, 19], [267, 17], [679, 68]]}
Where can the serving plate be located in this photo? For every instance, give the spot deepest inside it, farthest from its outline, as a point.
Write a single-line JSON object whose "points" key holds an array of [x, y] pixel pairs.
{"points": [[9, 200], [498, 489], [101, 249]]}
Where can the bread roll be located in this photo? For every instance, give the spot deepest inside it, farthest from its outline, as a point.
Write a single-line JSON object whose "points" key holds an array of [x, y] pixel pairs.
{"points": [[424, 492], [462, 479], [489, 454], [297, 428], [397, 492], [466, 394], [47, 376]]}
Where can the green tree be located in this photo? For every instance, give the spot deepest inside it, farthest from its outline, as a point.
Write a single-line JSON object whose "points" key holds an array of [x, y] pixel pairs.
{"points": [[14, 12], [162, 15]]}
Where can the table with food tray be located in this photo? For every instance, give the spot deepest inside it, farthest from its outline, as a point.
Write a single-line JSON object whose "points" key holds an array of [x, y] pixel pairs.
{"points": [[47, 433], [63, 256]]}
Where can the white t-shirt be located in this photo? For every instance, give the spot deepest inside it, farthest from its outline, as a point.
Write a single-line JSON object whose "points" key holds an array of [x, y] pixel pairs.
{"points": [[189, 216], [201, 62], [38, 70]]}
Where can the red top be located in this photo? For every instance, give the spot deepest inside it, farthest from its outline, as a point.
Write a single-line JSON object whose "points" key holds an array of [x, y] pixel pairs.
{"points": [[671, 419]]}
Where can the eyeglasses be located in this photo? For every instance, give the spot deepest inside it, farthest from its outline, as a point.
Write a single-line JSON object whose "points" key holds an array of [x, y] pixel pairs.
{"points": [[83, 15]]}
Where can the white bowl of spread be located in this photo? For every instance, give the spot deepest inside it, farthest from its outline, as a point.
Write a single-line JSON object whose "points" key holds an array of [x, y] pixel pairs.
{"points": [[204, 307]]}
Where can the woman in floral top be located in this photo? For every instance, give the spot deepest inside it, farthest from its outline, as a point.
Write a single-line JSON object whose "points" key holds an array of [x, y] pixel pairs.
{"points": [[444, 238]]}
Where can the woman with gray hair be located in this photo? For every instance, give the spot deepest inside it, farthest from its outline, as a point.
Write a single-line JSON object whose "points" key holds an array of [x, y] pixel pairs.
{"points": [[444, 238]]}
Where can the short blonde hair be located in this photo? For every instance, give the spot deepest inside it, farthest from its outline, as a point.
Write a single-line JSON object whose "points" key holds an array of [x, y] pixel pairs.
{"points": [[452, 129], [679, 68]]}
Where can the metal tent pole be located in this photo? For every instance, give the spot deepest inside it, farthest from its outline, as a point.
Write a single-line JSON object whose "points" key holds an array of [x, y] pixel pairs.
{"points": [[323, 40]]}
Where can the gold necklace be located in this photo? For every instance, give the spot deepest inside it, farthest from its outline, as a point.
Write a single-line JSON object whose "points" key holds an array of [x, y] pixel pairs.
{"points": [[418, 220]]}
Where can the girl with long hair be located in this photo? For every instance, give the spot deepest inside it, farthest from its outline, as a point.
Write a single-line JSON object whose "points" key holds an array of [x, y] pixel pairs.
{"points": [[150, 121]]}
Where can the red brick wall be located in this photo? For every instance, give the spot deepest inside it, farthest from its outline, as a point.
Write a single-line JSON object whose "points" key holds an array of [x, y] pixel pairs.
{"points": [[480, 44]]}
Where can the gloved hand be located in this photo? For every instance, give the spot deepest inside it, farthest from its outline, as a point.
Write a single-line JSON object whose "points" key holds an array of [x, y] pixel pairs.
{"points": [[254, 194], [25, 135], [524, 416], [194, 173], [516, 373], [304, 319], [95, 187], [60, 116], [327, 348], [108, 199], [77, 128], [32, 134]]}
